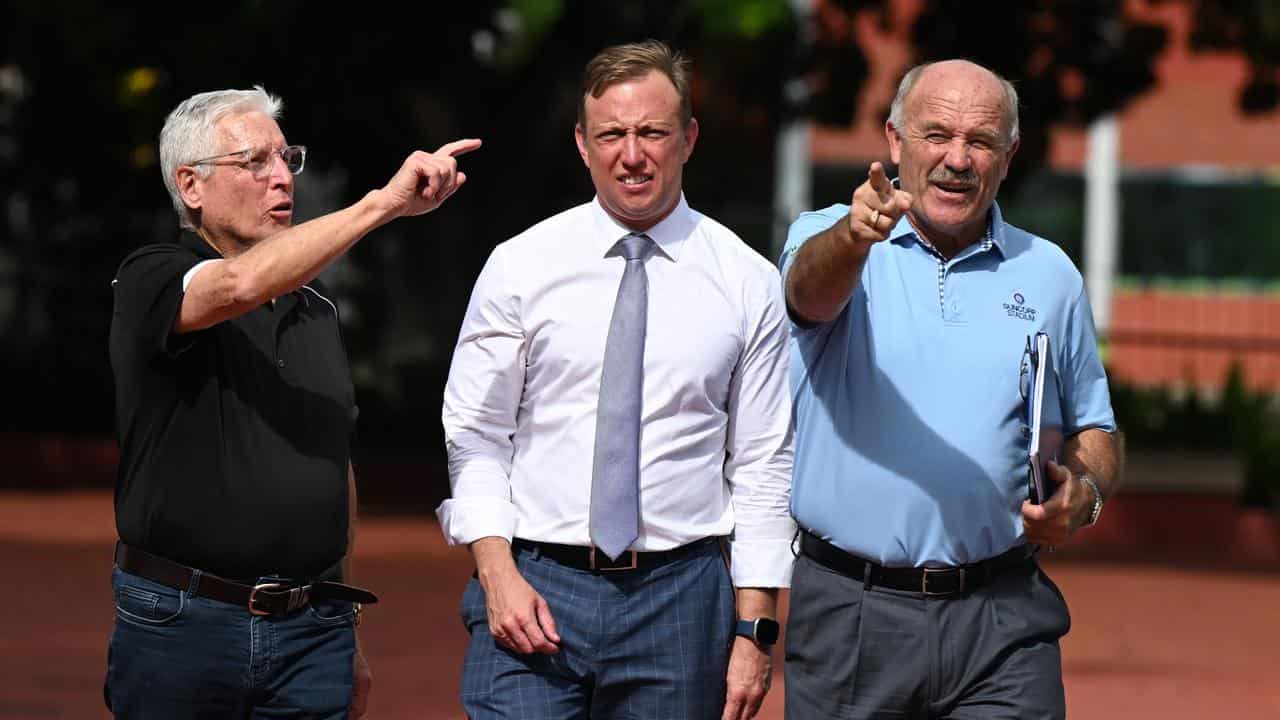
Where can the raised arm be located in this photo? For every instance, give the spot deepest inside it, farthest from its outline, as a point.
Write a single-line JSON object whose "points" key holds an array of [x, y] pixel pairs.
{"points": [[285, 261], [827, 267]]}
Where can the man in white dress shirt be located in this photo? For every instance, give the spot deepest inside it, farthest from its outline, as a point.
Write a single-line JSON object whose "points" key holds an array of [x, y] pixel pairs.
{"points": [[598, 511]]}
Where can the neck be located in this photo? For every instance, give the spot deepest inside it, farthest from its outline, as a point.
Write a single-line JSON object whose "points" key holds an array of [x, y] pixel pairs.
{"points": [[644, 226], [948, 244], [226, 247]]}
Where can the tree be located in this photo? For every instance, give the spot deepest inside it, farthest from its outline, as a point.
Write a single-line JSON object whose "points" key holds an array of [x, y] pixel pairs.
{"points": [[1252, 28]]}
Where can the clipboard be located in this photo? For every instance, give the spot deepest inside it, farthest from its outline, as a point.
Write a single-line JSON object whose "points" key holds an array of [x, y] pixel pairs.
{"points": [[1044, 416]]}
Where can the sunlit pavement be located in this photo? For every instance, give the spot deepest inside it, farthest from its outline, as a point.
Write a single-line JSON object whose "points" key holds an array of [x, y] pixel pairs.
{"points": [[1148, 640]]}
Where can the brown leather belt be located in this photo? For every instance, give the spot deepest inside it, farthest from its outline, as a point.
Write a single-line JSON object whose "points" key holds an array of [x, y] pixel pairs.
{"points": [[261, 599], [926, 581]]}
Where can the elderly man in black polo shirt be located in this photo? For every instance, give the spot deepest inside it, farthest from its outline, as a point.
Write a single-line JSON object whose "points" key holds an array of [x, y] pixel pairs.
{"points": [[235, 497]]}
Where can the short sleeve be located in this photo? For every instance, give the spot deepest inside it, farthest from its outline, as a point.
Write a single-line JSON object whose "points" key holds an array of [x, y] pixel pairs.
{"points": [[806, 226], [148, 291], [1085, 393]]}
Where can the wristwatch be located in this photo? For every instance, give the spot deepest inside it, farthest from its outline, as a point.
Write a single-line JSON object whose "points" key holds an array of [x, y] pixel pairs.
{"points": [[762, 631], [1097, 500]]}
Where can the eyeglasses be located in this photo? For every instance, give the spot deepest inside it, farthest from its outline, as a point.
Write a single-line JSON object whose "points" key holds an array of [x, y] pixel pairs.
{"points": [[1029, 359], [258, 161]]}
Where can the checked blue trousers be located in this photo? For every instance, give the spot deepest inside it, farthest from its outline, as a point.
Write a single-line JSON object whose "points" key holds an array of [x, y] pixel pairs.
{"points": [[651, 644]]}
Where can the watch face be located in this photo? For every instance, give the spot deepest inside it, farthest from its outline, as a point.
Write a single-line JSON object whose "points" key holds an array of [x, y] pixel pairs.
{"points": [[766, 631]]}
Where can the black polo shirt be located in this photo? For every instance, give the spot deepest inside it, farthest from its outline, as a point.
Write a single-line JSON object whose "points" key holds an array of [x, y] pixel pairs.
{"points": [[234, 439]]}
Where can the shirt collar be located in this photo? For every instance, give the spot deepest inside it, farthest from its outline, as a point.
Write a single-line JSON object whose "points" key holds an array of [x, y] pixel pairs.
{"points": [[669, 235], [993, 238], [196, 244]]}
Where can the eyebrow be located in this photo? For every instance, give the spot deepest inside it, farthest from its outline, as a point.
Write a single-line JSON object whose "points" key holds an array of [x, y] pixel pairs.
{"points": [[983, 135], [645, 125]]}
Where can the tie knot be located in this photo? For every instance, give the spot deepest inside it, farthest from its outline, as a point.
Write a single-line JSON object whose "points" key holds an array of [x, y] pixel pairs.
{"points": [[635, 246]]}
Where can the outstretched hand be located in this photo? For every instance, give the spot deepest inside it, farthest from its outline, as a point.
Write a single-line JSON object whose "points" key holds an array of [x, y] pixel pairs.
{"points": [[426, 180], [876, 206]]}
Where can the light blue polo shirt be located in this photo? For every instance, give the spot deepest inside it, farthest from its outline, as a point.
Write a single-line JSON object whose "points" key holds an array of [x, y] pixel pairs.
{"points": [[910, 448]]}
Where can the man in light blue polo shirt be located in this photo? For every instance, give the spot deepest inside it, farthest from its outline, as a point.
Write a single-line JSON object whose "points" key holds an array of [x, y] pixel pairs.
{"points": [[917, 593]]}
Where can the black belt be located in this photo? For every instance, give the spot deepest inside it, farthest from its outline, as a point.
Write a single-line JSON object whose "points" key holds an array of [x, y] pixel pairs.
{"points": [[589, 558], [261, 599], [927, 581]]}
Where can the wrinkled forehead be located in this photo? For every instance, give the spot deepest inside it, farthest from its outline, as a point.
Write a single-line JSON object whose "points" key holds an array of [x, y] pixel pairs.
{"points": [[252, 129], [648, 98], [959, 92]]}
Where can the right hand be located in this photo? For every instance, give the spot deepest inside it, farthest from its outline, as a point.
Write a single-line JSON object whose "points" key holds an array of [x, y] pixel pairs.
{"points": [[426, 180], [519, 618], [876, 207]]}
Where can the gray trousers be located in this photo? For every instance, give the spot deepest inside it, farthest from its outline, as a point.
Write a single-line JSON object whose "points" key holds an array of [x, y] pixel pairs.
{"points": [[859, 652]]}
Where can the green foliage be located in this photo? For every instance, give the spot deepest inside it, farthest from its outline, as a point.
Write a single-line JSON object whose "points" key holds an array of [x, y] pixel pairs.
{"points": [[1239, 420], [1252, 28], [747, 19]]}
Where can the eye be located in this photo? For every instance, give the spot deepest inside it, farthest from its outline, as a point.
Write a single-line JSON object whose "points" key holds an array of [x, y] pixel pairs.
{"points": [[610, 135], [936, 137], [654, 133]]}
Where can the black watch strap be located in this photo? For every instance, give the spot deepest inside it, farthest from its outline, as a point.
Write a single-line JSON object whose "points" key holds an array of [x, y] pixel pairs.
{"points": [[763, 631]]}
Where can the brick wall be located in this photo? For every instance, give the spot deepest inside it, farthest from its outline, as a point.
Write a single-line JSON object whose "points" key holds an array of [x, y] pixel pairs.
{"points": [[1164, 337]]}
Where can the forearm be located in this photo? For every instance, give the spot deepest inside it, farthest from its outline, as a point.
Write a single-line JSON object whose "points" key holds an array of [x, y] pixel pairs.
{"points": [[277, 265], [284, 262], [493, 558], [755, 603], [825, 272], [1098, 454]]}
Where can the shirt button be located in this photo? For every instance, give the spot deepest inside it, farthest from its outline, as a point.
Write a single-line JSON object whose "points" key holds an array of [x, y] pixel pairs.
{"points": [[280, 362], [955, 307]]}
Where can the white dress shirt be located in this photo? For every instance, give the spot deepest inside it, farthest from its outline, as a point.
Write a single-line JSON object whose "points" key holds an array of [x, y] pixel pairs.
{"points": [[715, 440]]}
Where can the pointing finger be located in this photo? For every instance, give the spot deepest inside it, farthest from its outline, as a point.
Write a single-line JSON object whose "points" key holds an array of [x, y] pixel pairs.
{"points": [[880, 183], [459, 147]]}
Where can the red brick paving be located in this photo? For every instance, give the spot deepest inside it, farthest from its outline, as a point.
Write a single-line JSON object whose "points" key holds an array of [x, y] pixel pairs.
{"points": [[1149, 639]]}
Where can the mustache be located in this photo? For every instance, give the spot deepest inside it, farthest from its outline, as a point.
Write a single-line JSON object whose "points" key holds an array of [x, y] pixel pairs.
{"points": [[946, 175]]}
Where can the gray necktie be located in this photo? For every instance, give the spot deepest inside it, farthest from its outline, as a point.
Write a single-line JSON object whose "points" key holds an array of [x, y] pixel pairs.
{"points": [[615, 473]]}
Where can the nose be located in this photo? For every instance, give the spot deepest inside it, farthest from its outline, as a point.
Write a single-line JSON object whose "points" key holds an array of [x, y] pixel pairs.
{"points": [[632, 154], [280, 176], [958, 158]]}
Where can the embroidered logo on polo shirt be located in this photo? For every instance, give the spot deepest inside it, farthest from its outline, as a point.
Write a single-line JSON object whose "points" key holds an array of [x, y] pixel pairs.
{"points": [[1018, 308]]}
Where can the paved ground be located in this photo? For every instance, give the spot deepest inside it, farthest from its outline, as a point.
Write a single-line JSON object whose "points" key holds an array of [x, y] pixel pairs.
{"points": [[1152, 637]]}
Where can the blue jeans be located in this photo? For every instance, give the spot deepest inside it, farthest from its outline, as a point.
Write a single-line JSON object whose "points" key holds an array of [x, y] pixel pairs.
{"points": [[174, 654], [644, 645]]}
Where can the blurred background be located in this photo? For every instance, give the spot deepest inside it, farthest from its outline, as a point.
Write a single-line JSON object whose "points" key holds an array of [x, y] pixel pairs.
{"points": [[1150, 152]]}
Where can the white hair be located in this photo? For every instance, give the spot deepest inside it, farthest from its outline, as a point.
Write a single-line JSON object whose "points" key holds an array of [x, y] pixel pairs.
{"points": [[190, 133], [897, 111]]}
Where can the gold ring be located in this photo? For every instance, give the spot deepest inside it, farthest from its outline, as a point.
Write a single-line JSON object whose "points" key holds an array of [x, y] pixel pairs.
{"points": [[875, 217]]}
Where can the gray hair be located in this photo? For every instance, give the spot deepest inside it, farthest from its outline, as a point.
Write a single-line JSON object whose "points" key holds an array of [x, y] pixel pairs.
{"points": [[897, 110], [190, 133]]}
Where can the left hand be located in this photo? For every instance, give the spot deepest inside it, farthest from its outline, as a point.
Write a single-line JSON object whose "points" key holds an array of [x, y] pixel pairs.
{"points": [[750, 674], [363, 682], [1053, 522]]}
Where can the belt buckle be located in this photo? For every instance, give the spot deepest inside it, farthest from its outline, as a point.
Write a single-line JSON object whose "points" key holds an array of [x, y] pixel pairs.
{"points": [[924, 581], [592, 562], [267, 587]]}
